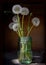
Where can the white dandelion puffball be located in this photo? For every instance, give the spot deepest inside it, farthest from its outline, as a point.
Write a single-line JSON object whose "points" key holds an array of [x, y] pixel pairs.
{"points": [[25, 11], [15, 19], [11, 25], [15, 27], [16, 9], [36, 21], [15, 61]]}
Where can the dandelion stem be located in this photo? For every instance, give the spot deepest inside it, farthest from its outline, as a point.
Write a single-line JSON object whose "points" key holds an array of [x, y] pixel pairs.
{"points": [[22, 25], [30, 30], [29, 22], [19, 31]]}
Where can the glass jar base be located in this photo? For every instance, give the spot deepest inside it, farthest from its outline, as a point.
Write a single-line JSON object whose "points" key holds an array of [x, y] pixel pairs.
{"points": [[26, 62]]}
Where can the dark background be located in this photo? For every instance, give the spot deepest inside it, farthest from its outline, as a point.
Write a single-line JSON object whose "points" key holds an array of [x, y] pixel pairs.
{"points": [[9, 38]]}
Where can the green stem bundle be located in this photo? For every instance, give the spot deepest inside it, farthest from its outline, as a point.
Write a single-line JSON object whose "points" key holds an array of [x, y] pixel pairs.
{"points": [[21, 29]]}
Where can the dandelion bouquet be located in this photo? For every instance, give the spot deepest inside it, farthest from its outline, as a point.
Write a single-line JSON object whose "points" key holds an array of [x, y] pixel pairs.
{"points": [[26, 41]]}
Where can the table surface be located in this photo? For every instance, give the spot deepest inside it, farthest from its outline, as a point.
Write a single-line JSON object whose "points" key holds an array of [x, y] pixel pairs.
{"points": [[34, 64], [9, 56], [16, 61]]}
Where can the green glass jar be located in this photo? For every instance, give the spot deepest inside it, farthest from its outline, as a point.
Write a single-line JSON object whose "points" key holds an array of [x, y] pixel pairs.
{"points": [[25, 56]]}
